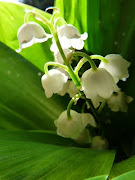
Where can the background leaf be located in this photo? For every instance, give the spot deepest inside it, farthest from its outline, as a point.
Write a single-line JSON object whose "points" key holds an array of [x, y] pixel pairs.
{"points": [[12, 17], [23, 158], [110, 24], [22, 100], [124, 170]]}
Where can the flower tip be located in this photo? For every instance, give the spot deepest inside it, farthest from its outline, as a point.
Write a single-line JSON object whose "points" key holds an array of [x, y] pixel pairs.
{"points": [[53, 8], [84, 36], [18, 50]]}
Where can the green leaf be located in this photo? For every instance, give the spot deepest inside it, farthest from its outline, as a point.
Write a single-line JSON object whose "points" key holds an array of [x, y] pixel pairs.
{"points": [[110, 24], [23, 157], [124, 170], [11, 18], [22, 99]]}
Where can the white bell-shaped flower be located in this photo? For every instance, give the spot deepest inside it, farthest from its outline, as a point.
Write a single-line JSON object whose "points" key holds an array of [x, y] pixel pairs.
{"points": [[99, 143], [116, 66], [58, 57], [72, 128], [118, 101], [69, 36], [31, 33], [53, 82], [98, 83]]}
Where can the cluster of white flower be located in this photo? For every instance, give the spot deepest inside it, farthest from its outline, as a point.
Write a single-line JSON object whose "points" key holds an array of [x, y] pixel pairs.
{"points": [[98, 84]]}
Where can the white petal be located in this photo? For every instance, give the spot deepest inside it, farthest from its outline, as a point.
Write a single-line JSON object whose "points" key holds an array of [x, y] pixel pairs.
{"points": [[72, 89], [118, 102], [58, 57], [116, 66], [31, 33], [54, 82], [88, 119], [69, 128], [97, 83]]}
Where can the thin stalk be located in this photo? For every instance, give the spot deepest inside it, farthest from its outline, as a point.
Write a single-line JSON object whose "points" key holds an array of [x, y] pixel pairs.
{"points": [[54, 64], [77, 96], [101, 58], [93, 65]]}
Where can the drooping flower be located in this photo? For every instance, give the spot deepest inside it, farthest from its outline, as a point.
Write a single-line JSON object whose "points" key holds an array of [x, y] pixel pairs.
{"points": [[116, 66], [69, 36], [53, 82], [31, 33], [98, 83], [118, 101], [99, 143], [72, 128]]}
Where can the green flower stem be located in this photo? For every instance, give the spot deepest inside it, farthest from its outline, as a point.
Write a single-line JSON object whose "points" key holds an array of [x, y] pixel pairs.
{"points": [[75, 79], [77, 96], [57, 20], [79, 65], [41, 18], [54, 64], [93, 66], [54, 14], [37, 16], [99, 57]]}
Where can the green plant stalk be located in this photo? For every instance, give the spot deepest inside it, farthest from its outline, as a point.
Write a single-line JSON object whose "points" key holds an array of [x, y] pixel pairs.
{"points": [[70, 70], [93, 66], [54, 64], [77, 96], [57, 20], [101, 58], [79, 65]]}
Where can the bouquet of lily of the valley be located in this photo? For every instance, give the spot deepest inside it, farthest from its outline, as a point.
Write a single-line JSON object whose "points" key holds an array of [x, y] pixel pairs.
{"points": [[94, 88]]}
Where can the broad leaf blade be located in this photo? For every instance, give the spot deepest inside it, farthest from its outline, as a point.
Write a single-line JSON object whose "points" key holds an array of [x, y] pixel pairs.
{"points": [[27, 159], [22, 100], [124, 170], [12, 17], [110, 24]]}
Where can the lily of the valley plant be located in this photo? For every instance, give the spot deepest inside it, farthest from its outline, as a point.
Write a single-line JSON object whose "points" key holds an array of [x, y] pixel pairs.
{"points": [[96, 87]]}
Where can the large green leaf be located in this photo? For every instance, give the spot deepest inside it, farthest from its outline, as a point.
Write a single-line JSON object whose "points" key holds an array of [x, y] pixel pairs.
{"points": [[11, 18], [110, 24], [124, 170], [23, 157], [22, 100]]}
